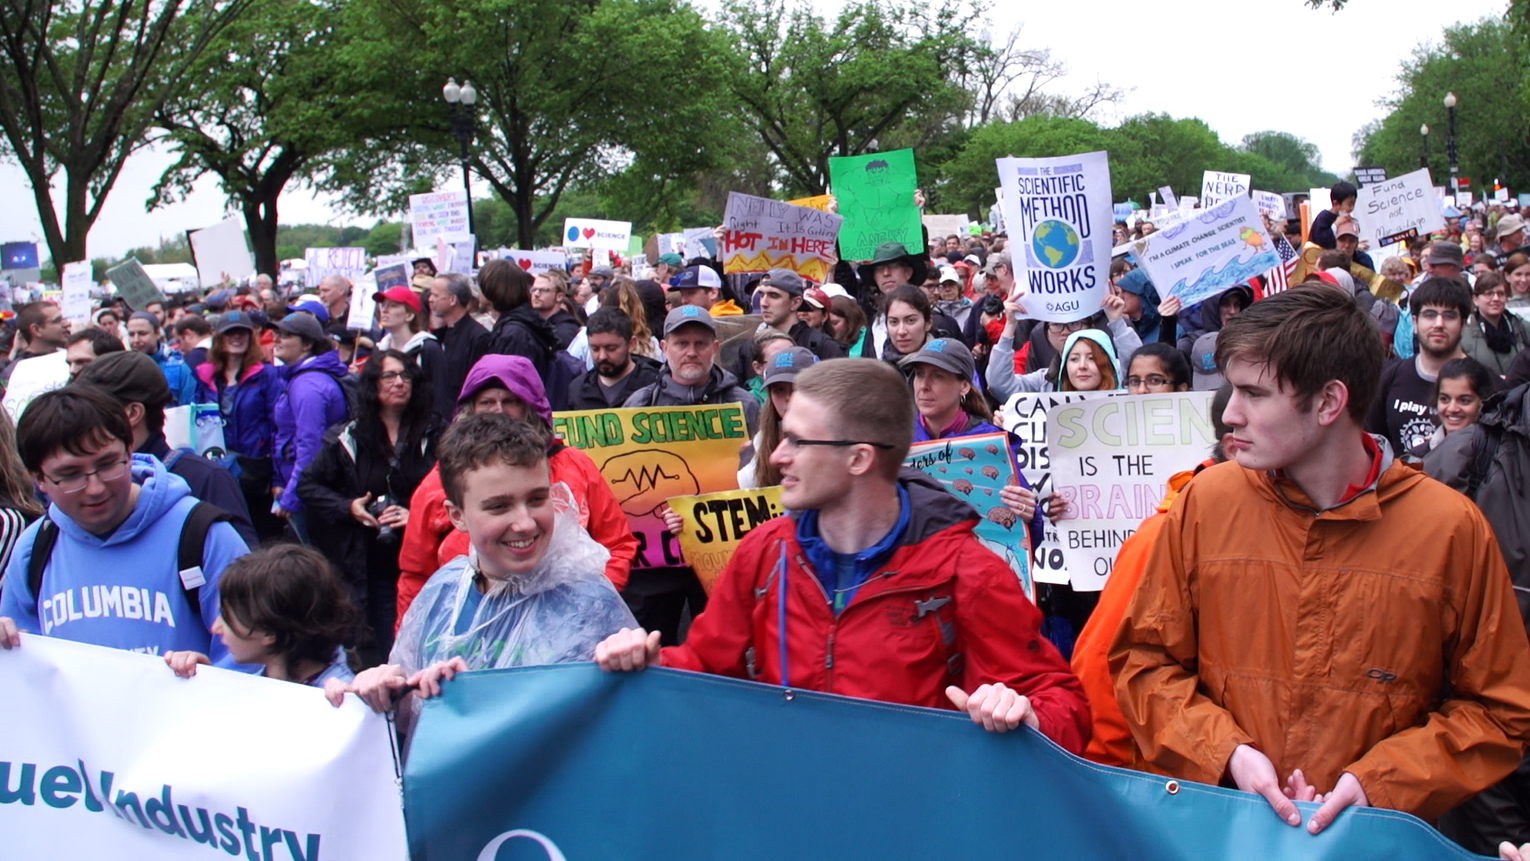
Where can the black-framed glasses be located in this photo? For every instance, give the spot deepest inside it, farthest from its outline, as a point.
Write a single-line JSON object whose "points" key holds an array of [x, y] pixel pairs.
{"points": [[394, 376], [1152, 382], [791, 441], [76, 483], [1067, 328]]}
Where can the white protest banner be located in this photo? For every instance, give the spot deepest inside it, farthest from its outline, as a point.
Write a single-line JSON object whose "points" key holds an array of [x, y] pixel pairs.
{"points": [[1217, 187], [32, 377], [221, 253], [1169, 199], [1269, 203], [1025, 416], [1059, 218], [1204, 255], [534, 262], [76, 284], [697, 242], [348, 263], [107, 754], [1113, 460], [362, 312], [594, 233], [941, 226], [1463, 199], [1318, 199], [760, 234], [1398, 209], [1501, 195], [439, 214]]}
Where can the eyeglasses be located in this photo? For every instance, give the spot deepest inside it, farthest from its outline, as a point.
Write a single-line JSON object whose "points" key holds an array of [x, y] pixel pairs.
{"points": [[395, 376], [541, 291], [792, 441], [1067, 328], [1494, 294], [1151, 382], [1431, 315], [76, 483]]}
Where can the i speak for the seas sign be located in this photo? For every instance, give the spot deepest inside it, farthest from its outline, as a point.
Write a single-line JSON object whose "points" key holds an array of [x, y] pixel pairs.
{"points": [[106, 754], [650, 454], [760, 234], [1208, 253], [1397, 209], [567, 762], [1058, 211]]}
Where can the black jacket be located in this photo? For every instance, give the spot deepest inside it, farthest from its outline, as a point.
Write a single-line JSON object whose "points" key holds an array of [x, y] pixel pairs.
{"points": [[803, 335], [524, 333], [565, 326], [462, 344], [588, 395]]}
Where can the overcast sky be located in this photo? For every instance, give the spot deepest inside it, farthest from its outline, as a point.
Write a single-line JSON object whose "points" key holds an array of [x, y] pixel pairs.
{"points": [[1241, 67]]}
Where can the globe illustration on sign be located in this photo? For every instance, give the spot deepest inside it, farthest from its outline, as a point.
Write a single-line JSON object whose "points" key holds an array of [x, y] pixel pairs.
{"points": [[1055, 244], [573, 234]]}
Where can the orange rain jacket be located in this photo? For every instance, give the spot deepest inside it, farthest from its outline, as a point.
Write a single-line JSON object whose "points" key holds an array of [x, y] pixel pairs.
{"points": [[1379, 638]]}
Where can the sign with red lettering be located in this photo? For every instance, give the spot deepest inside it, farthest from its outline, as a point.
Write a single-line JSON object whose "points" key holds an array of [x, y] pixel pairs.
{"points": [[760, 234]]}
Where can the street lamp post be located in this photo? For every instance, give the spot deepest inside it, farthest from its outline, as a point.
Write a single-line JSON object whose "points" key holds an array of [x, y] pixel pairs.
{"points": [[1450, 143], [459, 106], [1423, 131]]}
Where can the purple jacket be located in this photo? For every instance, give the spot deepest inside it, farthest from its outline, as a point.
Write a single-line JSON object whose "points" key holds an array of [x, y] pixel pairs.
{"points": [[514, 373], [314, 400]]}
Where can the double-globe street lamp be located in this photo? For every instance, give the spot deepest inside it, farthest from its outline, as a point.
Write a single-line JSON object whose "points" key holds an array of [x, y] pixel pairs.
{"points": [[459, 106]]}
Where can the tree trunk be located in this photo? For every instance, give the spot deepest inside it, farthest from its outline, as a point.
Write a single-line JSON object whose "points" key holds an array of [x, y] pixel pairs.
{"points": [[525, 231], [260, 222]]}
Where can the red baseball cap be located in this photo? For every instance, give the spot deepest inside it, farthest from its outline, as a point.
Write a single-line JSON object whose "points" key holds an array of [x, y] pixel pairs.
{"points": [[817, 298], [400, 294]]}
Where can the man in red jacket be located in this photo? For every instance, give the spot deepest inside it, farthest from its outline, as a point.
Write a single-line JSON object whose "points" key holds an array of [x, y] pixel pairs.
{"points": [[874, 586]]}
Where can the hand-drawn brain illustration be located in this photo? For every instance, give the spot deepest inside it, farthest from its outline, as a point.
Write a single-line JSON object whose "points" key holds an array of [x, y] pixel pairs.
{"points": [[1002, 515], [642, 480]]}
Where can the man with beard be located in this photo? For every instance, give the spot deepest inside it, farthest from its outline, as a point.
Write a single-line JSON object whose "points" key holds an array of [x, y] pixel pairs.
{"points": [[1403, 411], [618, 372]]}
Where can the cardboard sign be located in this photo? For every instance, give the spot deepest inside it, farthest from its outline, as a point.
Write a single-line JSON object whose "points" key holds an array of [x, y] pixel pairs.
{"points": [[1059, 217], [594, 233], [534, 262], [1025, 416], [1398, 209], [1114, 458], [875, 193], [1271, 204], [134, 284], [1370, 175], [941, 226], [650, 455], [439, 214], [697, 242], [392, 275], [974, 469], [221, 253], [715, 523], [1501, 195], [1218, 187], [1202, 256], [760, 234], [1463, 199], [75, 303]]}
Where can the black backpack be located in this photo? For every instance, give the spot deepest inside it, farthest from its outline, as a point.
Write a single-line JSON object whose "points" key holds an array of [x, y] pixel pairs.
{"points": [[188, 555]]}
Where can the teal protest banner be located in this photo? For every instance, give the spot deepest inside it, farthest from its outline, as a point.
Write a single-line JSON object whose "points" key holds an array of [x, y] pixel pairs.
{"points": [[875, 194], [567, 762]]}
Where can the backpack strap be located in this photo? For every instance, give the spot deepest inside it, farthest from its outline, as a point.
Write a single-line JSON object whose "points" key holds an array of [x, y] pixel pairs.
{"points": [[42, 550], [193, 542]]}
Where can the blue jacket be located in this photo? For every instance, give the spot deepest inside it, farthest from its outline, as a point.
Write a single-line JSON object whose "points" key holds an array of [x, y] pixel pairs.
{"points": [[313, 401], [249, 426], [183, 383], [123, 590], [1037, 525]]}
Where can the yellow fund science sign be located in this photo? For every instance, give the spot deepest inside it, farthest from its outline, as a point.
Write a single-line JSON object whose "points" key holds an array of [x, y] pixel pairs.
{"points": [[715, 523], [649, 454]]}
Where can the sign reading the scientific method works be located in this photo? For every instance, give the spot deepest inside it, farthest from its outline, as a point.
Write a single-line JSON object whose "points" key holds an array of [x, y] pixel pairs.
{"points": [[1204, 255], [1398, 209], [1058, 211], [1218, 187], [650, 455], [109, 756], [760, 234], [594, 233], [875, 194], [1114, 458], [715, 523], [439, 214]]}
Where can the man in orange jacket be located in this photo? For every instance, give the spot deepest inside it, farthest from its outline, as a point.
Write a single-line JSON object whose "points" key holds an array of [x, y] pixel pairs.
{"points": [[1318, 621]]}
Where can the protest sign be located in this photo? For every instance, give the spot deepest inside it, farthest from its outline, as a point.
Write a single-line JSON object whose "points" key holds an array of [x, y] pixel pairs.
{"points": [[348, 263], [1217, 187], [1113, 460], [760, 234], [974, 469], [1318, 199], [134, 284], [941, 226], [1206, 254], [1025, 416], [817, 201], [362, 310], [1398, 209], [535, 262], [595, 233], [76, 283], [699, 242], [439, 214], [221, 252], [926, 783], [876, 198], [1463, 199], [390, 276], [714, 524], [661, 244], [1501, 195], [649, 455], [112, 756], [1059, 217], [32, 377], [1365, 176], [1271, 204]]}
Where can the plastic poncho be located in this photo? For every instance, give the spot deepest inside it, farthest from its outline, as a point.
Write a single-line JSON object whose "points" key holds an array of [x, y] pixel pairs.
{"points": [[556, 614]]}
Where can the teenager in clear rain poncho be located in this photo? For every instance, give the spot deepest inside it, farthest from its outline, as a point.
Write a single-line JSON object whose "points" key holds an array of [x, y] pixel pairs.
{"points": [[533, 589]]}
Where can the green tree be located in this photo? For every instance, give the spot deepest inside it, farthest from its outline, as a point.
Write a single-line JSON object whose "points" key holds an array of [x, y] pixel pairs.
{"points": [[1482, 63], [968, 179], [80, 83], [1152, 150]]}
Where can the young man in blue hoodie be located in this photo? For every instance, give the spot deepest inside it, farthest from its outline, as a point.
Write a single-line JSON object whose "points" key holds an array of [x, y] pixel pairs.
{"points": [[111, 578]]}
